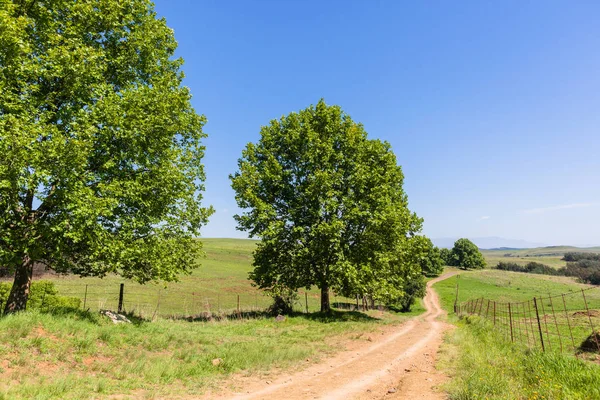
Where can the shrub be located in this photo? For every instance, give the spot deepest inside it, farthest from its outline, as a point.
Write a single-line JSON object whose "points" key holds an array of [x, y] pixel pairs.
{"points": [[578, 256], [283, 301], [413, 290], [43, 296]]}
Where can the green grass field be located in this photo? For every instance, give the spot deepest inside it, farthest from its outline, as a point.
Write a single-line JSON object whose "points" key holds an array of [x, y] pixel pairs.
{"points": [[506, 286], [214, 287], [484, 364], [83, 355], [79, 354]]}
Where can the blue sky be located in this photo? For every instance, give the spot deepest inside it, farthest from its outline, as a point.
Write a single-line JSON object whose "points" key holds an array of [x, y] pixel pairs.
{"points": [[492, 108]]}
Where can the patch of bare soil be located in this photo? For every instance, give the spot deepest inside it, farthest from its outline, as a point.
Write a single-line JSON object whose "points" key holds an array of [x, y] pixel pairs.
{"points": [[395, 364]]}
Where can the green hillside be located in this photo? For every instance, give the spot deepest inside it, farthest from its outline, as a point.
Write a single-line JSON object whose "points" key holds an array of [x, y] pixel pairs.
{"points": [[551, 255]]}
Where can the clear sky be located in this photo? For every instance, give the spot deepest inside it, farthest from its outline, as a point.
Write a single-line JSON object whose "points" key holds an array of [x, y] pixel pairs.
{"points": [[492, 108]]}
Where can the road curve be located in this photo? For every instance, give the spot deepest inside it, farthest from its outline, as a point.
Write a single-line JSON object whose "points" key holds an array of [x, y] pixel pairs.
{"points": [[398, 365]]}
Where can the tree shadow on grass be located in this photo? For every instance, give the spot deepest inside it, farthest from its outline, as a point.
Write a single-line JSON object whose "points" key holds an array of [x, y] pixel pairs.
{"points": [[338, 316]]}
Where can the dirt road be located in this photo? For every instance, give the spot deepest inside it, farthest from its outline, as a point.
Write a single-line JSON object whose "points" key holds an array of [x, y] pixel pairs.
{"points": [[396, 365]]}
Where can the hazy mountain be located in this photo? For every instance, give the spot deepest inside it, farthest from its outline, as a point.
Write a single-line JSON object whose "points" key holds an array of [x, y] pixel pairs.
{"points": [[490, 243]]}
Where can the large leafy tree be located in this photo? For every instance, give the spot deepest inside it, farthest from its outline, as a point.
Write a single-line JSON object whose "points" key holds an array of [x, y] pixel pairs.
{"points": [[466, 255], [100, 167], [327, 204]]}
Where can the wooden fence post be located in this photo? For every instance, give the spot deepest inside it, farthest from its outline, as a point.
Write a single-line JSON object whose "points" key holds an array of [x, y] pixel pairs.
{"points": [[494, 312], [306, 300], [512, 338], [85, 297], [537, 314], [120, 308], [456, 296]]}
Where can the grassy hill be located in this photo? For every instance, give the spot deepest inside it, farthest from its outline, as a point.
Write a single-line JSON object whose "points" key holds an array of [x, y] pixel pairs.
{"points": [[551, 255], [215, 287]]}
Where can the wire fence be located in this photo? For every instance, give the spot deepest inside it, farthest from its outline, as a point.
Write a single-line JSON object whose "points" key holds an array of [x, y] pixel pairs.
{"points": [[565, 322], [151, 302]]}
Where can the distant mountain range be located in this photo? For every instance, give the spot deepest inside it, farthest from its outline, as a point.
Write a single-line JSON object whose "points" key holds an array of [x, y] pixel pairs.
{"points": [[491, 242]]}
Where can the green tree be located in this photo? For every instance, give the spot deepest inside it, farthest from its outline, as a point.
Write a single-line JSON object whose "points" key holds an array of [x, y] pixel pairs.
{"points": [[101, 155], [466, 255], [413, 290], [430, 259], [446, 255], [327, 204]]}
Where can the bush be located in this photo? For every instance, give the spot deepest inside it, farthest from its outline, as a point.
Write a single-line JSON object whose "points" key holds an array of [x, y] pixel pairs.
{"points": [[413, 290], [530, 268], [578, 256], [283, 301], [43, 296]]}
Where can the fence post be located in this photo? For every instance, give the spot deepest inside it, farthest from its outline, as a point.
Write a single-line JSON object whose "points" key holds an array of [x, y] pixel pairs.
{"points": [[456, 296], [157, 306], [494, 312], [85, 297], [306, 301], [546, 324], [537, 314], [590, 318], [120, 308], [512, 338], [480, 307]]}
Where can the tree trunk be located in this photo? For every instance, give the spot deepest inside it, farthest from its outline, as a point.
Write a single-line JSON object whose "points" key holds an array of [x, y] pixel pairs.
{"points": [[325, 304], [17, 299], [372, 302]]}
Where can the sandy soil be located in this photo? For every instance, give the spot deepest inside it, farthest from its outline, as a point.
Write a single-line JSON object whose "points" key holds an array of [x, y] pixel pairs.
{"points": [[396, 364]]}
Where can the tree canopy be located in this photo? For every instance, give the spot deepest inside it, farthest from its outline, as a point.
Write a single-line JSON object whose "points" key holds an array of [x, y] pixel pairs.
{"points": [[101, 149], [328, 206], [430, 259], [466, 255]]}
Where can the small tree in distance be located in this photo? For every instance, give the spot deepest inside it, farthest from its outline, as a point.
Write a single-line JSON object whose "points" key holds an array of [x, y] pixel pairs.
{"points": [[328, 206], [429, 257], [466, 255], [446, 256]]}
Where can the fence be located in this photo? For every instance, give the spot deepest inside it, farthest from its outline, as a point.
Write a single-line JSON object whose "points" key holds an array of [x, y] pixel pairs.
{"points": [[151, 301], [563, 322]]}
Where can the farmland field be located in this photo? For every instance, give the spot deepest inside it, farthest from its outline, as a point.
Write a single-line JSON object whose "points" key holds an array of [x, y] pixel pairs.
{"points": [[551, 256], [78, 354], [482, 361], [214, 287]]}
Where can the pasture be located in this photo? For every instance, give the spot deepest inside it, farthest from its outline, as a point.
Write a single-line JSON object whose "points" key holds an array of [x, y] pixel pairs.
{"points": [[215, 287], [551, 256], [484, 363]]}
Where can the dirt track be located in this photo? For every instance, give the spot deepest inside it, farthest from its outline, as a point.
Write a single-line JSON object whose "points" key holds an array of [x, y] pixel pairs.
{"points": [[397, 365]]}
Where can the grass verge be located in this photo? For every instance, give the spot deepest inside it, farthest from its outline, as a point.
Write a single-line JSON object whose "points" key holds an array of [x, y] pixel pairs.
{"points": [[484, 366], [78, 355]]}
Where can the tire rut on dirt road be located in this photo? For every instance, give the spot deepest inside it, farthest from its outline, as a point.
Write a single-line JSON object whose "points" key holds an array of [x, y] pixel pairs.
{"points": [[399, 365]]}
